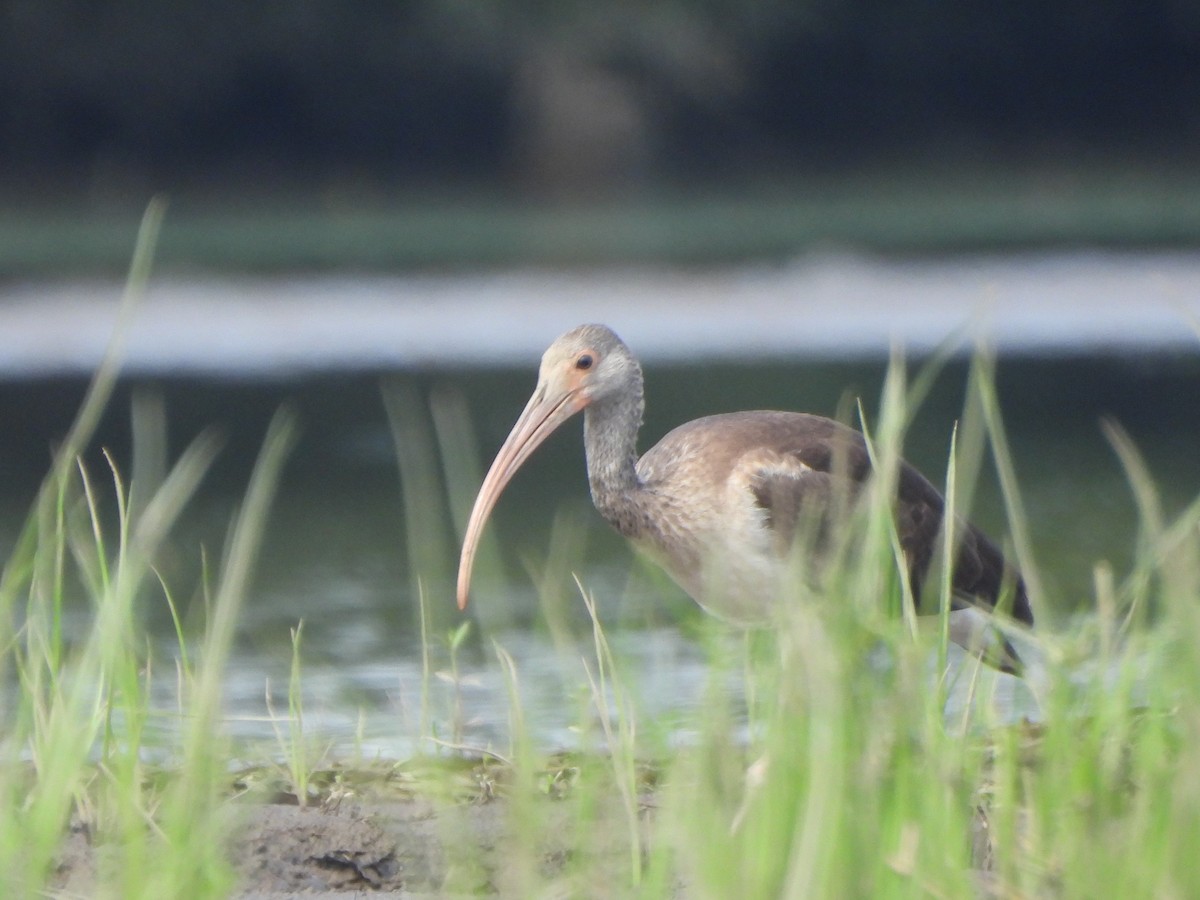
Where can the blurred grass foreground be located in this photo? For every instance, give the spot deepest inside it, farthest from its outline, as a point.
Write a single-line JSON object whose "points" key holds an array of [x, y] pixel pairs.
{"points": [[847, 780]]}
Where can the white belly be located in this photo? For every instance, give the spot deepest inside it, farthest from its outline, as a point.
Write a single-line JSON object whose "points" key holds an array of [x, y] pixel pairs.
{"points": [[743, 585]]}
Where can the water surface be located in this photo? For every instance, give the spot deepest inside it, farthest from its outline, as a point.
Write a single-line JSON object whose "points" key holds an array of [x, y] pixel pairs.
{"points": [[1081, 338]]}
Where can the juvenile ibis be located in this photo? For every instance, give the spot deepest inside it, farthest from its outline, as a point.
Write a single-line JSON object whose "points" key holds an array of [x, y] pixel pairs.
{"points": [[721, 502]]}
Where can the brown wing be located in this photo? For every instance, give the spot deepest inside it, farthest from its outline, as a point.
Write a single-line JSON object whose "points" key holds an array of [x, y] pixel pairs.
{"points": [[981, 573], [825, 465]]}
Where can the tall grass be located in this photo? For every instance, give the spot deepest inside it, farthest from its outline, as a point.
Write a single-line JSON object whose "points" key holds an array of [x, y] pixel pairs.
{"points": [[77, 748]]}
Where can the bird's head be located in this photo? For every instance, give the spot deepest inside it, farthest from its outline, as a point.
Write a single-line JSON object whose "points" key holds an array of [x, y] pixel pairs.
{"points": [[587, 365]]}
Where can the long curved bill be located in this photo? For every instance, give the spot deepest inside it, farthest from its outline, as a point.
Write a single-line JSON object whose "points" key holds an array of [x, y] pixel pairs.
{"points": [[546, 410]]}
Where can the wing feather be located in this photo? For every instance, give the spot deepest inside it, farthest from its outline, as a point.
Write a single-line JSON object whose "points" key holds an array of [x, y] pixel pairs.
{"points": [[805, 471]]}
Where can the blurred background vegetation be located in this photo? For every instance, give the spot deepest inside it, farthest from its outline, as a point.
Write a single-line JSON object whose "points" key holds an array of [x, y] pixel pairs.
{"points": [[328, 106]]}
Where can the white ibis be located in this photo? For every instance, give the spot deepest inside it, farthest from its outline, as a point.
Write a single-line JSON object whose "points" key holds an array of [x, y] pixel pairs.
{"points": [[720, 501]]}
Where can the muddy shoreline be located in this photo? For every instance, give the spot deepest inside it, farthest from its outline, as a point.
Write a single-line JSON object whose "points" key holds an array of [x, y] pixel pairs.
{"points": [[417, 847], [447, 828], [412, 848]]}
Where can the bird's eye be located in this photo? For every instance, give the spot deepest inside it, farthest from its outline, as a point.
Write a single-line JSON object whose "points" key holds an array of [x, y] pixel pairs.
{"points": [[584, 362]]}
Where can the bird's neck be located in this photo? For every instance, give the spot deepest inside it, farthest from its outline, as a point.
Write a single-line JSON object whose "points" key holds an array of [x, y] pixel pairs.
{"points": [[610, 429]]}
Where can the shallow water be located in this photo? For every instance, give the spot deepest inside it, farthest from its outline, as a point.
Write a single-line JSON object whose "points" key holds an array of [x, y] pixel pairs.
{"points": [[1080, 337]]}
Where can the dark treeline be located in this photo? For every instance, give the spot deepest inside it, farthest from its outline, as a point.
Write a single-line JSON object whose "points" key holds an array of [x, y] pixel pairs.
{"points": [[577, 92]]}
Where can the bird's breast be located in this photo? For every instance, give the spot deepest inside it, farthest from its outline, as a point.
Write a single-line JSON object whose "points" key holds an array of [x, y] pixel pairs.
{"points": [[709, 536]]}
